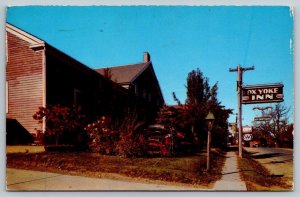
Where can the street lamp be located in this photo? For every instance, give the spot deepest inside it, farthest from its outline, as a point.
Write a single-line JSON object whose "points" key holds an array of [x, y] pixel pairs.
{"points": [[209, 120]]}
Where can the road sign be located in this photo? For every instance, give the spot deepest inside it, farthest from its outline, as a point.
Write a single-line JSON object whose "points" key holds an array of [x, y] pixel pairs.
{"points": [[263, 118], [262, 93], [247, 137], [247, 129]]}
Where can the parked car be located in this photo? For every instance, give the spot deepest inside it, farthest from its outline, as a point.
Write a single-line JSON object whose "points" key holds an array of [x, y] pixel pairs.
{"points": [[165, 141]]}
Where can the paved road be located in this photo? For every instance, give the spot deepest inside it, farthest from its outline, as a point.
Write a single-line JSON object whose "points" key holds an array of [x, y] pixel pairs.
{"points": [[276, 154], [279, 161], [27, 180]]}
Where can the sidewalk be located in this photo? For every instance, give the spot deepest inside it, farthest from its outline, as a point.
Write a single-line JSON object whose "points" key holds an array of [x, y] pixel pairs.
{"points": [[230, 180], [28, 180]]}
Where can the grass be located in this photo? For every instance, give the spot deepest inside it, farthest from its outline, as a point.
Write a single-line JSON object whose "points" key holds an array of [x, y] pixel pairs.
{"points": [[258, 178], [181, 169], [24, 149]]}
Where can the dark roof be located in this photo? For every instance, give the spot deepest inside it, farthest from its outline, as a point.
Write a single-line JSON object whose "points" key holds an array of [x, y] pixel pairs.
{"points": [[125, 74]]}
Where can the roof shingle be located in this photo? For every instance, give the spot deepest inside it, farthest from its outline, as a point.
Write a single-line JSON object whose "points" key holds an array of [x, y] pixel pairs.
{"points": [[125, 74]]}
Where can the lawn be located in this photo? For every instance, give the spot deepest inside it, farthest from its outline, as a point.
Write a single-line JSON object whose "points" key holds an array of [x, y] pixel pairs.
{"points": [[188, 169], [24, 149]]}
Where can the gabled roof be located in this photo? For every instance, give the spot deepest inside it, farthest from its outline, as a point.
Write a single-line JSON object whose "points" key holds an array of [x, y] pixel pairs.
{"points": [[35, 43], [125, 74]]}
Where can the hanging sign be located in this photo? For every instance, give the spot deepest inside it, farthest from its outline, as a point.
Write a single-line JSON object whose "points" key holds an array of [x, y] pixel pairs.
{"points": [[247, 137], [247, 129], [263, 118], [262, 93]]}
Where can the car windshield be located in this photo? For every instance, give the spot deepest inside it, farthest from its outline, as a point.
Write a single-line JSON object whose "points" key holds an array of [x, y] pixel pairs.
{"points": [[155, 132]]}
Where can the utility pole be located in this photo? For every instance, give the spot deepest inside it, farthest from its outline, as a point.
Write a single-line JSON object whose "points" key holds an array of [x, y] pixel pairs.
{"points": [[240, 71]]}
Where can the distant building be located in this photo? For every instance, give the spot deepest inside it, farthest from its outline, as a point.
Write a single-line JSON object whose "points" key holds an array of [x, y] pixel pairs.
{"points": [[38, 75]]}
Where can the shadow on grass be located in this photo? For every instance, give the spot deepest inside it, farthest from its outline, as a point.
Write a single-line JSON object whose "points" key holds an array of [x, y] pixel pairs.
{"points": [[259, 173], [262, 174], [267, 155], [281, 161]]}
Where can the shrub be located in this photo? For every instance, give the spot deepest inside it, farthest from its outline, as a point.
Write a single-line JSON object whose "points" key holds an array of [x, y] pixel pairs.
{"points": [[64, 125], [113, 138], [131, 142], [102, 137]]}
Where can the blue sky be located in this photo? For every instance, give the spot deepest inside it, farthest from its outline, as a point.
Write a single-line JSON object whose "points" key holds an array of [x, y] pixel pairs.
{"points": [[179, 39]]}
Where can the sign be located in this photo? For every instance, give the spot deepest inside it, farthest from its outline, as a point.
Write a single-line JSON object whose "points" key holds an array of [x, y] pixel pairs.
{"points": [[247, 129], [262, 93], [263, 118], [247, 137]]}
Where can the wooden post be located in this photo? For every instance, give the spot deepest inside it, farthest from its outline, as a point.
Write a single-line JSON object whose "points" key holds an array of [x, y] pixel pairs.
{"points": [[208, 149], [240, 71]]}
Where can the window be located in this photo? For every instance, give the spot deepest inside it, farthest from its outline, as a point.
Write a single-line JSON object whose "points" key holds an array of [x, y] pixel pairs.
{"points": [[136, 89], [77, 97], [149, 97], [157, 102], [144, 94]]}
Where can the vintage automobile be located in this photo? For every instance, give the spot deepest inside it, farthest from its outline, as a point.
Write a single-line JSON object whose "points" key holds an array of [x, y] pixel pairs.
{"points": [[163, 140]]}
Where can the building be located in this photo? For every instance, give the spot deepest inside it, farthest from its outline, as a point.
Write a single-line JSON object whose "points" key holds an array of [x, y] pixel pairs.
{"points": [[140, 81], [38, 75]]}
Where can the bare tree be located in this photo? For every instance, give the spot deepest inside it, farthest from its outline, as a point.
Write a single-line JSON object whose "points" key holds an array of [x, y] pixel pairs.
{"points": [[279, 121], [276, 129]]}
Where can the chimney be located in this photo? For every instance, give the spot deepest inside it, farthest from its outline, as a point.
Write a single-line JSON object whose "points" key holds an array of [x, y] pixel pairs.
{"points": [[146, 57]]}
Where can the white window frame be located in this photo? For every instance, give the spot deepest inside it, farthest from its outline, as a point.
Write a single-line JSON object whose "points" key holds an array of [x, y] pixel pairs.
{"points": [[6, 97]]}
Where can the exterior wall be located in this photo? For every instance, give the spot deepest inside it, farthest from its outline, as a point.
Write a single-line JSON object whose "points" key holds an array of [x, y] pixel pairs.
{"points": [[38, 74], [24, 75], [69, 82], [145, 95], [146, 88]]}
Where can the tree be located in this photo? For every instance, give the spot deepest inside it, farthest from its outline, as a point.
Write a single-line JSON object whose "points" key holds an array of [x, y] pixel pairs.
{"points": [[107, 73], [198, 90], [201, 98], [276, 131], [198, 94], [220, 132]]}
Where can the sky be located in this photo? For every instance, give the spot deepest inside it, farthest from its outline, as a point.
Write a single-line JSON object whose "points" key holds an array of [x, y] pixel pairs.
{"points": [[179, 40]]}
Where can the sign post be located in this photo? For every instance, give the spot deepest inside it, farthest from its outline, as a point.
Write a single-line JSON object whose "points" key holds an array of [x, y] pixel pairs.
{"points": [[240, 71]]}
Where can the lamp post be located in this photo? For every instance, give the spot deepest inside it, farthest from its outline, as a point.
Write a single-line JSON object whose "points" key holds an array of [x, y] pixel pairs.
{"points": [[209, 120]]}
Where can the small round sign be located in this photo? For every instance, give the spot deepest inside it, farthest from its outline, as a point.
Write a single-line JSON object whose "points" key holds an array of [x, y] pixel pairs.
{"points": [[247, 137]]}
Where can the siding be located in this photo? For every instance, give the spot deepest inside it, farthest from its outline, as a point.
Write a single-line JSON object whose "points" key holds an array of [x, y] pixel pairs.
{"points": [[25, 82], [98, 96]]}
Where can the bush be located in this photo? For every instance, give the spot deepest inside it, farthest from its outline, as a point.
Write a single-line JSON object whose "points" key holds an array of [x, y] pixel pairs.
{"points": [[131, 142], [64, 125], [113, 138], [60, 148], [102, 137]]}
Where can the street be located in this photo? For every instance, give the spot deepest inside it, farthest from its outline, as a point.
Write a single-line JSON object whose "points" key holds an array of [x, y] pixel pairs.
{"points": [[27, 180], [279, 161]]}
